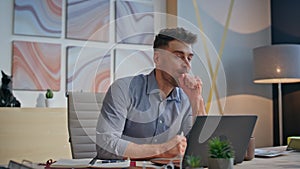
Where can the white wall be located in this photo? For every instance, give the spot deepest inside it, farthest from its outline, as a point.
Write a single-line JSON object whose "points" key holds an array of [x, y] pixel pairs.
{"points": [[36, 98], [27, 98], [249, 27]]}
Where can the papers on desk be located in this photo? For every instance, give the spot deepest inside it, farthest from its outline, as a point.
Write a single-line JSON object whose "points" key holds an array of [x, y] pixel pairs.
{"points": [[85, 163], [269, 153]]}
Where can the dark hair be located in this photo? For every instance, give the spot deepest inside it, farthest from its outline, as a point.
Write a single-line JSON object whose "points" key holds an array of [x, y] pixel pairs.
{"points": [[166, 35]]}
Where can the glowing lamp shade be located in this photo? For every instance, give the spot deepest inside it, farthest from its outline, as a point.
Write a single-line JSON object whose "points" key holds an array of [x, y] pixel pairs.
{"points": [[276, 64]]}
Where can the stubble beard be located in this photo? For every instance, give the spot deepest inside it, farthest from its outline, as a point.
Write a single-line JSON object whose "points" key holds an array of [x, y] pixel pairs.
{"points": [[170, 79]]}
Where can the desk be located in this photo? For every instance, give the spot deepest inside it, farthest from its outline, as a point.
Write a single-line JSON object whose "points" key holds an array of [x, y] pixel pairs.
{"points": [[34, 134], [289, 160]]}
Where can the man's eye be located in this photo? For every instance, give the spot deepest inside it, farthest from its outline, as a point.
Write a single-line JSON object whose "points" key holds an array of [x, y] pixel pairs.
{"points": [[180, 56]]}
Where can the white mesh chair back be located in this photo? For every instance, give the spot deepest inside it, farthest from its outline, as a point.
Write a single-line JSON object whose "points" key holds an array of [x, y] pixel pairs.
{"points": [[83, 111]]}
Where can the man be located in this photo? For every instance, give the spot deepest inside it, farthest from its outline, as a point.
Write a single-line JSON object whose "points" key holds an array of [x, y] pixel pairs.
{"points": [[145, 116]]}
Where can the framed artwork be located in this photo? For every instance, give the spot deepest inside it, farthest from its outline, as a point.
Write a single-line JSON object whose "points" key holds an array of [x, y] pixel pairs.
{"points": [[88, 69], [38, 17], [141, 59], [36, 66], [134, 22], [88, 20]]}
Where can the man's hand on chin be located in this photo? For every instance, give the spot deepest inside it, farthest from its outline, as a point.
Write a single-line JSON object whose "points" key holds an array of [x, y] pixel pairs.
{"points": [[192, 86]]}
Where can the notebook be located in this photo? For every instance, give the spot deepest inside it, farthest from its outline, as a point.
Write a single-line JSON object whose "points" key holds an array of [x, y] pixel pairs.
{"points": [[293, 143], [237, 129]]}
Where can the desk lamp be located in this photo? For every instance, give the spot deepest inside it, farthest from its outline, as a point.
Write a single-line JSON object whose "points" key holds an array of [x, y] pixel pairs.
{"points": [[277, 64]]}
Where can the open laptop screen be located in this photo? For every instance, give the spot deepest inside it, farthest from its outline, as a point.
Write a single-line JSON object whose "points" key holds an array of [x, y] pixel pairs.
{"points": [[237, 129]]}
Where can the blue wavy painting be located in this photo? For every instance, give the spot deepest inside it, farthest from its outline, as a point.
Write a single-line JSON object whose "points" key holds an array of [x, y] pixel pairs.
{"points": [[88, 20], [134, 22], [38, 17]]}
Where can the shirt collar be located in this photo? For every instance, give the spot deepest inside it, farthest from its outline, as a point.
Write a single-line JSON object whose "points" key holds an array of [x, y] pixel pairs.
{"points": [[152, 88]]}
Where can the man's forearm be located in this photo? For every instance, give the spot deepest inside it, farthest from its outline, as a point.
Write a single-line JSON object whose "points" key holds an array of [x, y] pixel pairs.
{"points": [[143, 151], [198, 107], [174, 147]]}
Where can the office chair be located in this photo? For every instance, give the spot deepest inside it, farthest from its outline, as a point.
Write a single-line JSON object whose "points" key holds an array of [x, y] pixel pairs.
{"points": [[83, 111]]}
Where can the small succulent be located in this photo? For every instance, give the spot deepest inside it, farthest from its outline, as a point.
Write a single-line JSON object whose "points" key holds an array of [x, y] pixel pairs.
{"points": [[49, 94], [193, 161], [220, 149]]}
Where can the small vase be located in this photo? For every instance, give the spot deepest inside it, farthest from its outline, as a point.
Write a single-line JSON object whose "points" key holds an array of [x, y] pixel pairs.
{"points": [[49, 102], [220, 163]]}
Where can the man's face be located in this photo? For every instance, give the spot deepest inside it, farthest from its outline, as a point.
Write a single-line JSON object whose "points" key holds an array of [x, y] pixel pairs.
{"points": [[175, 59]]}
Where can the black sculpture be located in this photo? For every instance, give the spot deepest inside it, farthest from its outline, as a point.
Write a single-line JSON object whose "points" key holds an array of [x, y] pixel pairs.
{"points": [[7, 98]]}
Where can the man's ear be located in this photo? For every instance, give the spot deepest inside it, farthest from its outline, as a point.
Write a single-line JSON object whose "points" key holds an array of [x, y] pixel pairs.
{"points": [[156, 57]]}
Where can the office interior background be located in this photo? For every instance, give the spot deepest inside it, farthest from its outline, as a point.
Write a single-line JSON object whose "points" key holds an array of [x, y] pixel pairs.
{"points": [[231, 28]]}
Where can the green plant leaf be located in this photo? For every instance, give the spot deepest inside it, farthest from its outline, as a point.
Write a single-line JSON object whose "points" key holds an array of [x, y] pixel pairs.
{"points": [[49, 94], [193, 161], [220, 149]]}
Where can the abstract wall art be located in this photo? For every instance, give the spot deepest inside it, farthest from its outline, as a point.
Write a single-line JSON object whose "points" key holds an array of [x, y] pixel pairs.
{"points": [[88, 69], [141, 59], [38, 18], [134, 22], [36, 66], [88, 20]]}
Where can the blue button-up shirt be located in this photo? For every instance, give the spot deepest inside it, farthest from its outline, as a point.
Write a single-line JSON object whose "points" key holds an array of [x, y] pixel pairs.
{"points": [[134, 111]]}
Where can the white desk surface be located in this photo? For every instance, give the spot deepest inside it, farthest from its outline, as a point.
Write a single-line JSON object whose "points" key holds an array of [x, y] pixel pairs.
{"points": [[290, 160]]}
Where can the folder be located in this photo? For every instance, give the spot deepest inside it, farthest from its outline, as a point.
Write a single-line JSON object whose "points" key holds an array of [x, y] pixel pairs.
{"points": [[294, 143]]}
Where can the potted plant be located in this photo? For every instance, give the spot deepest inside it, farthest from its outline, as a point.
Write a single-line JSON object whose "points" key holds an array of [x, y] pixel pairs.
{"points": [[193, 162], [49, 98], [221, 154]]}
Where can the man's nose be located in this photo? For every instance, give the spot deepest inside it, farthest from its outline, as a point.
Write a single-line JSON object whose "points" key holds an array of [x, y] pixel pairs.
{"points": [[187, 62]]}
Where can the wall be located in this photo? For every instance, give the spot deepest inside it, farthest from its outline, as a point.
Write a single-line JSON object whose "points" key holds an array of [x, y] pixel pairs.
{"points": [[27, 98], [115, 51], [248, 27]]}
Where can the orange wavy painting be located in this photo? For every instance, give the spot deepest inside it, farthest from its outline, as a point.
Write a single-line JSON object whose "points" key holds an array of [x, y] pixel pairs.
{"points": [[36, 66]]}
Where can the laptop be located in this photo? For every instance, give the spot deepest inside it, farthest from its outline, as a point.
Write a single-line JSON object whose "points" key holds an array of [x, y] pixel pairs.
{"points": [[237, 129]]}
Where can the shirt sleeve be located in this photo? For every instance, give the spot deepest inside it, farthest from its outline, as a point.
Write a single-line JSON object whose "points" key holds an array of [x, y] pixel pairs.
{"points": [[187, 120], [111, 122]]}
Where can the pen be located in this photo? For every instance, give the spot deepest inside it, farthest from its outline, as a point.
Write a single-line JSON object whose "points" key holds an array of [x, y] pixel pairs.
{"points": [[110, 161], [92, 162], [182, 134]]}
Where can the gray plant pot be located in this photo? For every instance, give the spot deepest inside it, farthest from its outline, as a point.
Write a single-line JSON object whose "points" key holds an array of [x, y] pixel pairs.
{"points": [[220, 163]]}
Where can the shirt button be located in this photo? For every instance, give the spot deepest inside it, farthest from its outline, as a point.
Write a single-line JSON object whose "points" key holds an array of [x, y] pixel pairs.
{"points": [[160, 121]]}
